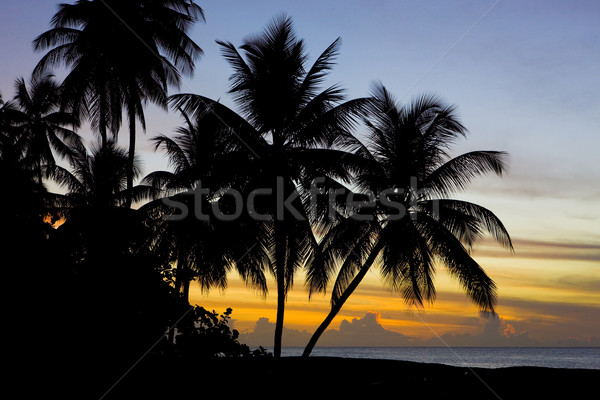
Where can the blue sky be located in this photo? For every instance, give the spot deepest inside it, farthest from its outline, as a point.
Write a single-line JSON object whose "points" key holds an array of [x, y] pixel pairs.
{"points": [[524, 75]]}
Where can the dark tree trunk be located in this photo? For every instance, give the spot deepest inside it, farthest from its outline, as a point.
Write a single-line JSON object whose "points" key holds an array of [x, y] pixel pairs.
{"points": [[39, 173], [130, 159], [280, 271], [181, 288], [335, 309], [102, 122], [185, 293]]}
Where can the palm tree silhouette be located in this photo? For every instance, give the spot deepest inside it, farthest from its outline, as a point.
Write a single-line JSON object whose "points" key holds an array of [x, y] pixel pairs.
{"points": [[97, 180], [122, 54], [25, 206], [291, 131], [43, 122], [408, 163], [203, 249], [97, 228], [13, 143], [10, 117]]}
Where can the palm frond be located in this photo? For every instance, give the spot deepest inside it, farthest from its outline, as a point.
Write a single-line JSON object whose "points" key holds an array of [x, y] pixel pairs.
{"points": [[316, 74], [458, 172], [466, 220], [63, 177], [473, 279], [407, 263], [177, 157]]}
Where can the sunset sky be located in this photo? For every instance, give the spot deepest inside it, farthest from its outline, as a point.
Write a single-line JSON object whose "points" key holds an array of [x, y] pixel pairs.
{"points": [[525, 77]]}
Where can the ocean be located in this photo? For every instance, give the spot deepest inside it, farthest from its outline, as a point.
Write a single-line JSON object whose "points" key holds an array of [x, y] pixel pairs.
{"points": [[484, 357]]}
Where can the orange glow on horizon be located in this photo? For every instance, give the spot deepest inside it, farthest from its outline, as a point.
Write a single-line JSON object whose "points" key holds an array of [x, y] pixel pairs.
{"points": [[533, 291]]}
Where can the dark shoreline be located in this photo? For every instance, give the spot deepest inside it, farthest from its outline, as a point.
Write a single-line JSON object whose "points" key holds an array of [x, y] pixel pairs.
{"points": [[319, 377]]}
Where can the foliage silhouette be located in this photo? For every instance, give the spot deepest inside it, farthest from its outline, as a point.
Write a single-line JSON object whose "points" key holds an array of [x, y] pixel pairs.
{"points": [[121, 54], [291, 132], [107, 295], [203, 249], [96, 180], [408, 159], [203, 334], [24, 208], [44, 122]]}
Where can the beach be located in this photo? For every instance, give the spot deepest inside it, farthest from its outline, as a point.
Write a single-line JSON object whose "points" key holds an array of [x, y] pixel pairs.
{"points": [[322, 377]]}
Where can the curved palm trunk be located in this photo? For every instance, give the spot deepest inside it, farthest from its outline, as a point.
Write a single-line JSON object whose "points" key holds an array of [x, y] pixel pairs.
{"points": [[280, 268], [131, 158], [335, 309]]}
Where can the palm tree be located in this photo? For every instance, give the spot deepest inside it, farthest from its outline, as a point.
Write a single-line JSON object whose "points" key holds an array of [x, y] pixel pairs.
{"points": [[97, 226], [414, 223], [97, 180], [290, 132], [10, 117], [43, 122], [12, 140], [203, 249], [121, 54], [24, 208]]}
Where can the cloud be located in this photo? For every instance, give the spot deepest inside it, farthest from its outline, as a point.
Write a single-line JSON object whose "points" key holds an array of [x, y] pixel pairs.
{"points": [[555, 320], [264, 331], [497, 332], [532, 176], [509, 330], [568, 245], [581, 282], [368, 332], [574, 341], [540, 249]]}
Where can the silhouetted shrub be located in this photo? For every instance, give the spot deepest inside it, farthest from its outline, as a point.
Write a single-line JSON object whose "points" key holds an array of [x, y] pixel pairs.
{"points": [[205, 334]]}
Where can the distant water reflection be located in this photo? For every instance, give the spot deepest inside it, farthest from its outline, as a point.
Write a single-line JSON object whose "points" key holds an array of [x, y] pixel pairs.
{"points": [[484, 357]]}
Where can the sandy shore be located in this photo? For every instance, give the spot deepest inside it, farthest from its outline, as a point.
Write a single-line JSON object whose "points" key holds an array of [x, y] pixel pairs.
{"points": [[351, 378]]}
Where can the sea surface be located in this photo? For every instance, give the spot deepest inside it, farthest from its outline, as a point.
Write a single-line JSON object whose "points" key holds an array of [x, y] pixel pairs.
{"points": [[484, 357]]}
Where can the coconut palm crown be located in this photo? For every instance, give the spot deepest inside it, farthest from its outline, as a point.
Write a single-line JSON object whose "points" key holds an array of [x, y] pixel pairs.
{"points": [[121, 54], [289, 132], [412, 224]]}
